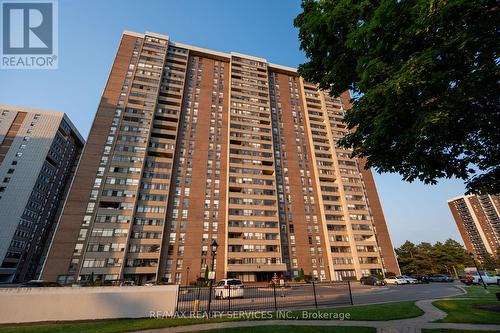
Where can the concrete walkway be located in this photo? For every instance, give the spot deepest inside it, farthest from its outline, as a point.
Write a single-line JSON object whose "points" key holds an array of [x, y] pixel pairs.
{"points": [[410, 325]]}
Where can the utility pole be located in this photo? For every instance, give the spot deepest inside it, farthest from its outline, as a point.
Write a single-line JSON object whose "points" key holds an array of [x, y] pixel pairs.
{"points": [[478, 271]]}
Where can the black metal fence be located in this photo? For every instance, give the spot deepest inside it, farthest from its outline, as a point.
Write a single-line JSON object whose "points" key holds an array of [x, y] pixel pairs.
{"points": [[270, 297]]}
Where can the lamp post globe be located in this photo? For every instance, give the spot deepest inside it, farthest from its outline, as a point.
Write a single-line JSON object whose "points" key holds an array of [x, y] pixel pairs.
{"points": [[214, 246]]}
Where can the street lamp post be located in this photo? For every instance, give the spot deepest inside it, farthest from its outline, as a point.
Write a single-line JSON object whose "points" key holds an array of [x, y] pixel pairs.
{"points": [[213, 247], [471, 255]]}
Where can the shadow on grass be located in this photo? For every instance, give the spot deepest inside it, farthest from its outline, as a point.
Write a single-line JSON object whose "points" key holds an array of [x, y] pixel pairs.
{"points": [[466, 311]]}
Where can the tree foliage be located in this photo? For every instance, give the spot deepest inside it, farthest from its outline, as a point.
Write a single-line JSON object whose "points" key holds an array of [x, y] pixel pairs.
{"points": [[425, 80], [427, 258]]}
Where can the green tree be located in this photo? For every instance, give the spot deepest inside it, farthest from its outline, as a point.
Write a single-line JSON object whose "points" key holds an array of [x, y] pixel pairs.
{"points": [[206, 274], [424, 76], [301, 274], [424, 258], [428, 258], [414, 258], [406, 255], [448, 254]]}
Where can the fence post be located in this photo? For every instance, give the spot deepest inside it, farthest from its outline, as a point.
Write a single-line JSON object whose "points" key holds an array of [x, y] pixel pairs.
{"points": [[178, 296], [229, 299], [314, 291], [350, 292], [209, 299], [275, 303], [196, 304]]}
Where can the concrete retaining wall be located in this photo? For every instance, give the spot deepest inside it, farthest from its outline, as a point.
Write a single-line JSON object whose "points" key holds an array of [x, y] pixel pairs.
{"points": [[22, 305]]}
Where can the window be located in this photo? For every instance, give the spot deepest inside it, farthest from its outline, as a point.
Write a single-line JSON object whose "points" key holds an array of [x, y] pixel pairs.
{"points": [[93, 194], [82, 234], [86, 220], [14, 162], [10, 171], [90, 207], [6, 179], [78, 249], [73, 265], [100, 171]]}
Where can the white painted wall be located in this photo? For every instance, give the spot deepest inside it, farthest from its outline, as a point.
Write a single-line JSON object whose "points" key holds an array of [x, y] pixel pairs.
{"points": [[23, 305]]}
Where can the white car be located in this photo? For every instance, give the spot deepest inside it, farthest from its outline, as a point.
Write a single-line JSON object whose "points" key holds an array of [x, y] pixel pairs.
{"points": [[487, 278], [398, 279], [229, 288], [410, 279]]}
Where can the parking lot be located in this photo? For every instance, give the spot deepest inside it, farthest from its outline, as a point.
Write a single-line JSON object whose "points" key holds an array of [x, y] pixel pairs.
{"points": [[394, 293], [309, 296]]}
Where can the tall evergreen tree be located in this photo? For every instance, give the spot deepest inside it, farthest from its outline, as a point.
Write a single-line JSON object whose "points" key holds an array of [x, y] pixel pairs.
{"points": [[427, 258]]}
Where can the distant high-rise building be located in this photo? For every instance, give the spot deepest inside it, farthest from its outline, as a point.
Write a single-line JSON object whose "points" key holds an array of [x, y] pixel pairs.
{"points": [[39, 151], [478, 221], [191, 145]]}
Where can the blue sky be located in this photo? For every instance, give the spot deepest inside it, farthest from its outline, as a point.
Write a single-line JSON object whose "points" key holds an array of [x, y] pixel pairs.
{"points": [[89, 32]]}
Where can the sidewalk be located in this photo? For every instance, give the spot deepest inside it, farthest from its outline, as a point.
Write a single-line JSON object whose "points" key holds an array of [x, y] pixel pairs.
{"points": [[410, 325]]}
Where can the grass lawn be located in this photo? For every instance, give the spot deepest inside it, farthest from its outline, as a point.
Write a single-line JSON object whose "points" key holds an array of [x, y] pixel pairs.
{"points": [[288, 329], [479, 292], [463, 311], [106, 326], [388, 311], [447, 330]]}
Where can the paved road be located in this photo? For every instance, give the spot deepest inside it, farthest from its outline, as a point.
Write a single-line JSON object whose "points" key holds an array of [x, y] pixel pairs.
{"points": [[262, 298], [366, 295]]}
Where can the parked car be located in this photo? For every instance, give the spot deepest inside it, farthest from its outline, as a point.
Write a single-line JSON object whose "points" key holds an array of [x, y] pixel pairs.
{"points": [[467, 279], [398, 279], [39, 284], [128, 283], [410, 280], [229, 288], [440, 278], [150, 283], [372, 281], [421, 278], [487, 278]]}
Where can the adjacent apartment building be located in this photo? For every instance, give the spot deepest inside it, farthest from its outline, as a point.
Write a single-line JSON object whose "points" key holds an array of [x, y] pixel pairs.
{"points": [[191, 145], [39, 151], [478, 221]]}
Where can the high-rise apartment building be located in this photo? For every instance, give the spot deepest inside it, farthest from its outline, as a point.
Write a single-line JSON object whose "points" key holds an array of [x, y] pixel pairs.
{"points": [[478, 221], [39, 151], [191, 145]]}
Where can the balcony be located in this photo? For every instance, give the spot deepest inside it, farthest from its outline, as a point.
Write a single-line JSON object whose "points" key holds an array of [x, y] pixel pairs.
{"points": [[256, 268], [140, 270]]}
